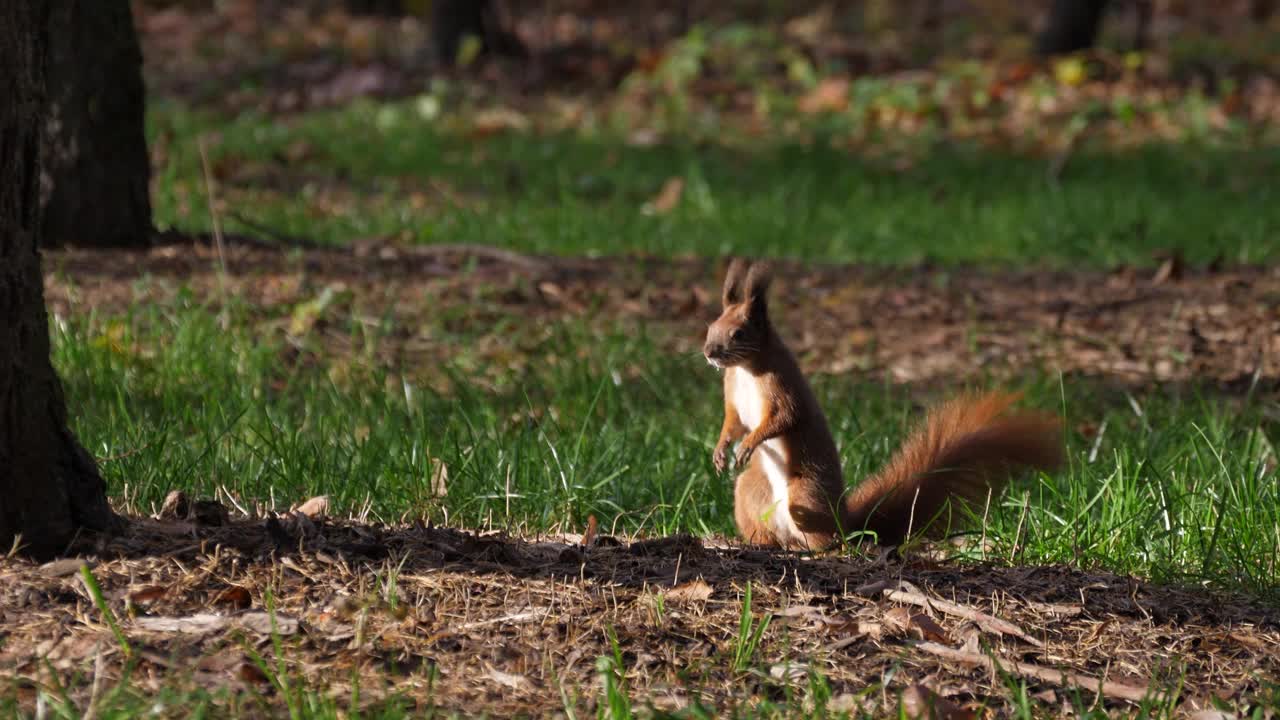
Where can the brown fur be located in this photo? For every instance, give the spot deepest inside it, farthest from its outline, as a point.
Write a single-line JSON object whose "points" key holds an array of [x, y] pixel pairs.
{"points": [[965, 447]]}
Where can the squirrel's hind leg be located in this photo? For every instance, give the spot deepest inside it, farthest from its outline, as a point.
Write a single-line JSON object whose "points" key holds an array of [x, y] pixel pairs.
{"points": [[752, 500]]}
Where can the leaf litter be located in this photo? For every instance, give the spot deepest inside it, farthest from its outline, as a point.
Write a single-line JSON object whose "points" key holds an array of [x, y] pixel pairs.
{"points": [[1132, 326], [509, 623]]}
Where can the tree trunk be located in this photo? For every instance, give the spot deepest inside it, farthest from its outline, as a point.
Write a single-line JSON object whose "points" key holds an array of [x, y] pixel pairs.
{"points": [[453, 20], [49, 486], [94, 183], [1073, 25], [386, 8]]}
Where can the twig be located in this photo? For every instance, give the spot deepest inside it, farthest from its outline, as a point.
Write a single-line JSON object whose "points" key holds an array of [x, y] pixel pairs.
{"points": [[281, 238], [513, 618], [989, 623], [484, 251], [213, 212], [1061, 678]]}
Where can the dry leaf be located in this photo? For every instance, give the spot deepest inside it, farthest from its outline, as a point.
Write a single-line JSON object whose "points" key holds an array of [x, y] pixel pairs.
{"points": [[789, 672], [497, 120], [830, 95], [148, 594], [929, 629], [1173, 268], [919, 701], [667, 198], [63, 568], [316, 507], [235, 596], [515, 682], [812, 27], [198, 624], [176, 506], [897, 619], [901, 620], [439, 478], [251, 674], [205, 623], [1210, 715], [593, 527], [263, 624], [692, 591]]}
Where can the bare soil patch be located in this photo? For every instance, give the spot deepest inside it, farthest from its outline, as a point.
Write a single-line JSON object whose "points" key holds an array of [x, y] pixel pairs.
{"points": [[473, 621]]}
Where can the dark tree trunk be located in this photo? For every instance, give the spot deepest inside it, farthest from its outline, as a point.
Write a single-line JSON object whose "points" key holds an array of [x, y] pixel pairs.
{"points": [[1073, 25], [49, 486], [453, 20], [94, 184], [387, 8]]}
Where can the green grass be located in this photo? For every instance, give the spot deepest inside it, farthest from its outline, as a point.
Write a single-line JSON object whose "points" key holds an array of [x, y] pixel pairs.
{"points": [[1175, 487], [384, 170]]}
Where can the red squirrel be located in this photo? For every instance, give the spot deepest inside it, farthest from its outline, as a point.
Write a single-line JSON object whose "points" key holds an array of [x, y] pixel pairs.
{"points": [[791, 491]]}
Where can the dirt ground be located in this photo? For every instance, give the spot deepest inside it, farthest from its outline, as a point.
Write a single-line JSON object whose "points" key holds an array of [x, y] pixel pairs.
{"points": [[462, 620], [1132, 326], [515, 625]]}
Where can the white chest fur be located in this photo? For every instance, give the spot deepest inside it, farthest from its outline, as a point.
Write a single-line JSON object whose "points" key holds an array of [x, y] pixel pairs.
{"points": [[748, 398]]}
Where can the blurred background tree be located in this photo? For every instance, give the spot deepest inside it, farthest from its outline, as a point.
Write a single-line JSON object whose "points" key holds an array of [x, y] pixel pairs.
{"points": [[95, 169]]}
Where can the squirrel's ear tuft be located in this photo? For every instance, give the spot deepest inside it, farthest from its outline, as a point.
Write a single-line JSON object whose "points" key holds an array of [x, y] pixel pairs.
{"points": [[757, 283], [733, 279]]}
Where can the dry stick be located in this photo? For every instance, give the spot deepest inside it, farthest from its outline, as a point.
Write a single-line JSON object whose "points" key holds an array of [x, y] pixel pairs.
{"points": [[489, 252], [989, 623], [213, 213], [1061, 678], [281, 238]]}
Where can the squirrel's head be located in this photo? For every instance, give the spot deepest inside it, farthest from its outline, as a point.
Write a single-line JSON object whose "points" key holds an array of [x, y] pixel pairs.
{"points": [[742, 330]]}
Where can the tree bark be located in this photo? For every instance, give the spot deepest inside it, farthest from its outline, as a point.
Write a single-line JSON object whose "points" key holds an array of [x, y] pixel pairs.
{"points": [[49, 485], [1073, 25], [386, 8], [453, 20], [94, 183]]}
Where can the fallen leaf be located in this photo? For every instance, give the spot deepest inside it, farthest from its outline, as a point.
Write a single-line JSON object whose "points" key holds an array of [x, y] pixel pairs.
{"points": [[667, 198], [692, 591], [316, 507], [251, 674], [198, 624], [235, 596], [63, 567], [205, 623], [923, 627], [789, 672], [506, 679], [812, 27], [830, 95], [593, 527], [919, 701], [1210, 715], [1070, 71], [175, 507], [148, 594], [439, 478], [497, 120], [264, 624]]}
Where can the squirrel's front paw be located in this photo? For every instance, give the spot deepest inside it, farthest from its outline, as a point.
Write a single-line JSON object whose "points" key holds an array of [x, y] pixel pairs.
{"points": [[743, 456], [720, 458]]}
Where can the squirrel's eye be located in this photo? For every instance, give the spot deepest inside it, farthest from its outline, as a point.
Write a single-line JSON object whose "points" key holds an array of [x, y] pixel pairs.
{"points": [[737, 334]]}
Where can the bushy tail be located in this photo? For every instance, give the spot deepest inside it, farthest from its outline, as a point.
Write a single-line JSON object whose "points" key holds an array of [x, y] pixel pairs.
{"points": [[967, 446]]}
